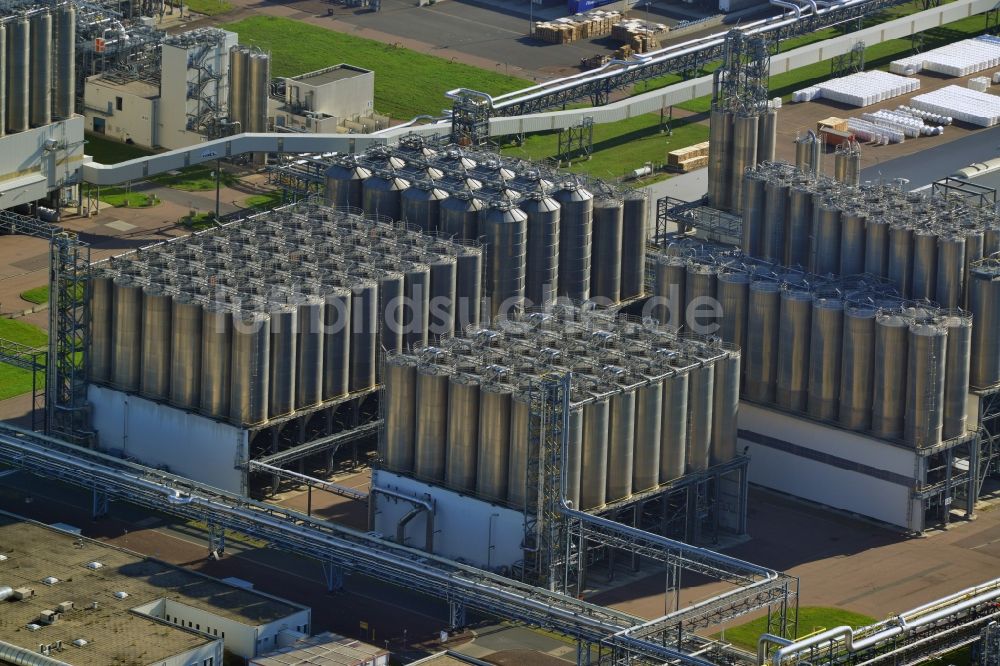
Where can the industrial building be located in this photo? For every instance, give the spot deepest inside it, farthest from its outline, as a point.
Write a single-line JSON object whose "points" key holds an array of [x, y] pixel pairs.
{"points": [[340, 98], [70, 600], [324, 649]]}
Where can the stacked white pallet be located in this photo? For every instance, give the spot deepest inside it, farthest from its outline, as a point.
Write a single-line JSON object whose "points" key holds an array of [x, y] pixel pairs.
{"points": [[996, 78], [872, 133], [909, 126], [867, 88], [980, 83], [970, 106], [806, 94], [959, 59], [926, 116]]}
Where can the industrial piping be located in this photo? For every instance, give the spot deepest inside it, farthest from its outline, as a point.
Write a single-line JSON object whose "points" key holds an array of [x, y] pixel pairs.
{"points": [[419, 506]]}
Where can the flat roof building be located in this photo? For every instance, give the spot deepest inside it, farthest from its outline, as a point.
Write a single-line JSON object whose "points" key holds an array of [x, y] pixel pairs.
{"points": [[326, 649]]}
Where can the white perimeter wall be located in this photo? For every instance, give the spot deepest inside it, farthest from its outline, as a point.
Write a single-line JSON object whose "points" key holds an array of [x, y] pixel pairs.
{"points": [[848, 481], [159, 435], [486, 535]]}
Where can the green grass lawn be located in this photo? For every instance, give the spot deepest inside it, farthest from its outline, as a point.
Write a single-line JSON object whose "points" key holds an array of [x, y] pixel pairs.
{"points": [[198, 178], [407, 83], [811, 620], [118, 197], [36, 295], [198, 221], [208, 7], [109, 151], [15, 381], [269, 200]]}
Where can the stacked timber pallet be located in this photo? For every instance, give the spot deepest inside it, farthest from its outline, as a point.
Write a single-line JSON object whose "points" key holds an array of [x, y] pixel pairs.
{"points": [[594, 23], [624, 31], [690, 158]]}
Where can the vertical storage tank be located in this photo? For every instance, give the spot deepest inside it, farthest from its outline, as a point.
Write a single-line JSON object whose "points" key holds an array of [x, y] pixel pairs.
{"points": [[725, 406], [701, 399], [18, 74], [469, 288], [337, 343], [504, 227], [64, 83], [635, 213], [767, 128], [575, 240], [382, 194], [876, 245], [364, 332], [421, 204], [648, 432], [416, 304], [674, 435], [606, 271], [773, 237], [284, 358], [40, 106], [185, 352], [517, 464], [762, 330], [216, 356], [950, 271], [345, 183], [462, 433], [238, 85], [733, 292], [699, 288], [101, 293], [259, 81], [432, 424], [924, 419], [458, 215], [309, 352], [857, 372], [852, 242], [925, 253], [389, 315], [825, 349], [670, 286], [155, 376], [720, 149], [824, 249], [573, 456], [443, 295], [744, 156], [984, 301], [493, 452], [250, 368], [754, 201], [127, 336], [621, 445], [400, 395], [956, 374], [594, 455], [901, 259], [799, 225], [542, 255], [794, 335], [889, 375]]}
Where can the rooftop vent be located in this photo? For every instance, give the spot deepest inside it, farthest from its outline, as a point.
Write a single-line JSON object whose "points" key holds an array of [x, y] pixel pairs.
{"points": [[121, 595], [79, 642], [50, 580], [94, 565]]}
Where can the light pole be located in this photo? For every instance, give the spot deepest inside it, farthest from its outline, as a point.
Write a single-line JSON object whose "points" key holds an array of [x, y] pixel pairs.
{"points": [[218, 170]]}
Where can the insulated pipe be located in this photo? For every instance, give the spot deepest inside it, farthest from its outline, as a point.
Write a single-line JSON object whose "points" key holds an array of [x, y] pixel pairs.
{"points": [[769, 639], [419, 505], [788, 5], [19, 656]]}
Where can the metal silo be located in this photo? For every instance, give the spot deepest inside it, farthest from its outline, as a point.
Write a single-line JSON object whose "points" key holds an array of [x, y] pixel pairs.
{"points": [[824, 248], [594, 456], [984, 301], [542, 263], [674, 435], [416, 304], [400, 396], [794, 334], [701, 399], [669, 290], [773, 233], [504, 228], [421, 204], [800, 215], [950, 271], [720, 150], [469, 287], [761, 355], [700, 287], [365, 324], [852, 242], [155, 376], [901, 259], [621, 445], [431, 422], [991, 240], [925, 250], [767, 132], [3, 79], [825, 349], [493, 452], [648, 433], [520, 436], [459, 215], [733, 292], [573, 457], [958, 352], [876, 245], [754, 198], [462, 432], [575, 237], [127, 336], [889, 376], [725, 407], [101, 293], [185, 352], [606, 262], [216, 356], [443, 295], [382, 194], [390, 311], [925, 375], [18, 74], [250, 368], [636, 211], [345, 183], [857, 368], [239, 70], [975, 240], [258, 91], [284, 358], [336, 342], [309, 352], [744, 156], [64, 82], [40, 106]]}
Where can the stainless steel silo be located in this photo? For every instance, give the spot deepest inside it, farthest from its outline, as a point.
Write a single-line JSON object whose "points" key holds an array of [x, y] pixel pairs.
{"points": [[155, 376], [767, 128], [185, 352], [699, 298], [284, 358], [398, 444], [431, 422], [606, 262], [18, 74], [239, 70], [800, 215], [520, 438], [925, 252], [594, 455], [991, 240], [390, 311], [648, 433], [950, 271], [794, 334], [493, 452], [669, 290], [459, 215], [825, 349], [701, 400], [504, 229], [40, 106], [216, 357], [365, 323], [975, 240], [958, 353], [725, 407], [761, 355], [744, 156], [126, 363], [925, 379], [542, 258], [345, 183], [64, 80], [309, 351], [573, 457], [416, 303], [733, 293], [621, 445], [443, 295], [754, 201], [3, 79], [635, 214], [336, 342], [258, 91], [720, 150], [101, 294], [382, 194], [250, 368], [876, 245], [462, 432], [469, 287], [421, 204], [984, 301], [773, 233], [889, 375], [575, 240], [901, 259], [824, 247], [857, 368], [852, 242], [674, 435]]}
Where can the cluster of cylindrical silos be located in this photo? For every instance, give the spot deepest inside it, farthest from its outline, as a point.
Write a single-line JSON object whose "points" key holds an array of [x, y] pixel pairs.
{"points": [[922, 244], [846, 351], [646, 407], [37, 67], [275, 313], [249, 88], [738, 140], [542, 231], [847, 163]]}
